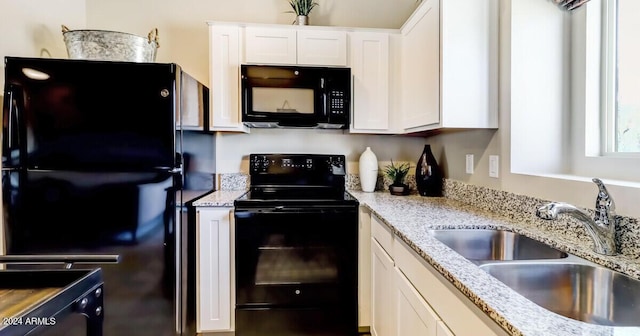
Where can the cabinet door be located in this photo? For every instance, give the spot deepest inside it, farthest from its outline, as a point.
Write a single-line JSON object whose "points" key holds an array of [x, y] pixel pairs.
{"points": [[213, 272], [225, 79], [415, 316], [453, 307], [469, 63], [270, 45], [326, 48], [421, 67], [364, 267], [443, 330], [370, 69], [383, 317]]}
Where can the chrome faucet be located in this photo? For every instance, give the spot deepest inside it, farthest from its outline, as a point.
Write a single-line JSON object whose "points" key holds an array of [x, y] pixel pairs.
{"points": [[602, 228]]}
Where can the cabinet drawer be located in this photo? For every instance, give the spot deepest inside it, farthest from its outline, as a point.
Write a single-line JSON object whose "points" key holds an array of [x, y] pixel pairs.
{"points": [[382, 233]]}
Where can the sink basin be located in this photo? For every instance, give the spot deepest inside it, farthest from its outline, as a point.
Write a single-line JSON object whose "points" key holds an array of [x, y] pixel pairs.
{"points": [[479, 245], [583, 292]]}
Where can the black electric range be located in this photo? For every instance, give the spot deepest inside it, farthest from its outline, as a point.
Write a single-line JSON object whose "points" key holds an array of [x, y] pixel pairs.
{"points": [[296, 248]]}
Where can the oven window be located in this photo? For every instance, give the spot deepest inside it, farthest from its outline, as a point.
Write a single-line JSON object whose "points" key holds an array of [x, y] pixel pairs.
{"points": [[284, 261], [283, 100]]}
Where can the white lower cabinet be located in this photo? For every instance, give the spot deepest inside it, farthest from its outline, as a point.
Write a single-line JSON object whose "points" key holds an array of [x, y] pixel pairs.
{"points": [[214, 272], [442, 329], [415, 316], [409, 297], [364, 268], [382, 294], [458, 315]]}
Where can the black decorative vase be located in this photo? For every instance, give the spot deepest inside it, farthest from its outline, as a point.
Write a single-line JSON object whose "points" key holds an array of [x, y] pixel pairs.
{"points": [[428, 174]]}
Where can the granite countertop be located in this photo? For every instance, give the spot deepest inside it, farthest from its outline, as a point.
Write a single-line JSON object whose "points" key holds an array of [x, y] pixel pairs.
{"points": [[410, 218], [220, 198]]}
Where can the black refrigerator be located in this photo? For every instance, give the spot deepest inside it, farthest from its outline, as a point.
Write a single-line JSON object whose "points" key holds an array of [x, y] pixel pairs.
{"points": [[92, 164]]}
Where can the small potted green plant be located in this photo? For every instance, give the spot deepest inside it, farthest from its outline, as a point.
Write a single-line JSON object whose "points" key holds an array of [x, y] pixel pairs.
{"points": [[302, 8], [398, 174]]}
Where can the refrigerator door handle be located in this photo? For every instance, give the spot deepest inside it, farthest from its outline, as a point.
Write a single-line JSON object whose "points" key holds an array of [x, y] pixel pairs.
{"points": [[10, 116], [12, 126], [67, 259], [177, 170]]}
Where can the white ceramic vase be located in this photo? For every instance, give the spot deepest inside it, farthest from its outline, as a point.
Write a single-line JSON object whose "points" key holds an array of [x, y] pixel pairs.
{"points": [[368, 170]]}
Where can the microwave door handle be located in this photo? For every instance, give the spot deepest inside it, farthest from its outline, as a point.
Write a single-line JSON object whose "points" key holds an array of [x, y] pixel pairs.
{"points": [[324, 98], [325, 102]]}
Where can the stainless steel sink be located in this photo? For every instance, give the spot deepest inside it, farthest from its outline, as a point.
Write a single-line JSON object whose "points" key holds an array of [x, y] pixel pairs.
{"points": [[484, 245], [583, 292]]}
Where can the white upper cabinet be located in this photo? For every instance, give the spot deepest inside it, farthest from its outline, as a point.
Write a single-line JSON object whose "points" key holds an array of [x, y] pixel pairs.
{"points": [[369, 62], [420, 95], [469, 63], [322, 47], [224, 67], [270, 45], [295, 45], [440, 70], [449, 65]]}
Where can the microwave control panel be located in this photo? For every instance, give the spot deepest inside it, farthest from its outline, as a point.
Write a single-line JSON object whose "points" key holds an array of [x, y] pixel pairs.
{"points": [[337, 102]]}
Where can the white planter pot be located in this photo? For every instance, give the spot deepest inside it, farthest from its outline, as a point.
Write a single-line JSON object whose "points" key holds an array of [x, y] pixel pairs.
{"points": [[302, 20], [368, 170]]}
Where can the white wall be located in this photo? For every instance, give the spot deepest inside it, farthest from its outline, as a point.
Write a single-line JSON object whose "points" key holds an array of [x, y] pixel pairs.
{"points": [[33, 28], [233, 149]]}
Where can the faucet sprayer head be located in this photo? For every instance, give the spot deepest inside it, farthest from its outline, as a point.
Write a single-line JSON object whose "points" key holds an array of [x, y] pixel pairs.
{"points": [[547, 211]]}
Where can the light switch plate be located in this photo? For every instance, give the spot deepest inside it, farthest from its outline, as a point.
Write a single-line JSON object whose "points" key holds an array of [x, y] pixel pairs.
{"points": [[494, 165], [469, 163]]}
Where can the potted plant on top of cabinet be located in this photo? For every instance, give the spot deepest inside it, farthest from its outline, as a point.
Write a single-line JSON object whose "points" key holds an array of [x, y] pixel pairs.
{"points": [[302, 8], [398, 174]]}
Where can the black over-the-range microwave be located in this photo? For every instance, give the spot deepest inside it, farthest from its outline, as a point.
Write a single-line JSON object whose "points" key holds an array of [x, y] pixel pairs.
{"points": [[295, 96]]}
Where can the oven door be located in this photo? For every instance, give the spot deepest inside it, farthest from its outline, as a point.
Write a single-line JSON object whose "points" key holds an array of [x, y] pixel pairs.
{"points": [[296, 270]]}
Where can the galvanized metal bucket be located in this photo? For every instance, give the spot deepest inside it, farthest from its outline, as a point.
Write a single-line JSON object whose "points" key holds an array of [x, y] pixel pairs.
{"points": [[110, 45]]}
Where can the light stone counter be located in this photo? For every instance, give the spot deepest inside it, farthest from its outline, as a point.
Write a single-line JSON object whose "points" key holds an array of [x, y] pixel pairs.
{"points": [[409, 217], [220, 198]]}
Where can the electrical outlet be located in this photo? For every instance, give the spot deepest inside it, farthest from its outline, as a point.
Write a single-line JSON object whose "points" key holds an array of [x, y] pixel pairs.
{"points": [[494, 165], [469, 163]]}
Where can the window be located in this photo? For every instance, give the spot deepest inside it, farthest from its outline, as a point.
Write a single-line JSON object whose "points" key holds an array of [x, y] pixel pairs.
{"points": [[621, 61], [604, 107]]}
